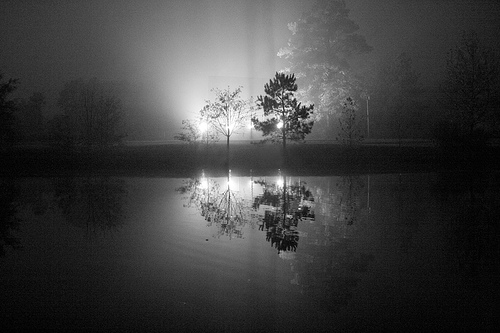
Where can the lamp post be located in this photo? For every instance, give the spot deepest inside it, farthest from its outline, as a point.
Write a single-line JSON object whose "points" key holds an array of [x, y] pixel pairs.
{"points": [[367, 117], [366, 96]]}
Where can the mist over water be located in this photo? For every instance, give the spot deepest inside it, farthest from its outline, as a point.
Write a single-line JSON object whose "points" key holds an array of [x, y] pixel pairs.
{"points": [[386, 251]]}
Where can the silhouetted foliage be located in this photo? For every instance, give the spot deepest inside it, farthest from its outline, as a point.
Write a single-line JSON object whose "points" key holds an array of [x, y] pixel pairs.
{"points": [[350, 124], [471, 91], [191, 132], [284, 117], [30, 122], [93, 113], [397, 99], [7, 108], [227, 114], [8, 216]]}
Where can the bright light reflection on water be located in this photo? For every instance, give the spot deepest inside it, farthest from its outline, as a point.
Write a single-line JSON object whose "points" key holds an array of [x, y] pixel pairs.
{"points": [[396, 252]]}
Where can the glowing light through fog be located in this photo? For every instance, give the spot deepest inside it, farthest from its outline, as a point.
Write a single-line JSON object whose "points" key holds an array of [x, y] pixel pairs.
{"points": [[203, 127], [279, 181], [280, 124], [203, 181]]}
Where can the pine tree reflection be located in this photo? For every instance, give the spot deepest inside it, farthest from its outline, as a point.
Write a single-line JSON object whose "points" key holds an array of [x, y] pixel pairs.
{"points": [[92, 203], [8, 216], [327, 268], [282, 207]]}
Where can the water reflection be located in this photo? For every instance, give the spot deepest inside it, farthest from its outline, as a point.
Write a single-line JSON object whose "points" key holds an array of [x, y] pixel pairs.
{"points": [[396, 250], [220, 205], [323, 215], [472, 229], [9, 221], [279, 209], [92, 203]]}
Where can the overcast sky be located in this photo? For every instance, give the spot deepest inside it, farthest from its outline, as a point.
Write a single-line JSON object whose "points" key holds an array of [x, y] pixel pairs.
{"points": [[173, 51]]}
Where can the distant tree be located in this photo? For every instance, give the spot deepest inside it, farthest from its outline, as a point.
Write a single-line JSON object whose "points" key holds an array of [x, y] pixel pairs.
{"points": [[191, 132], [471, 87], [7, 109], [285, 117], [195, 131], [30, 116], [397, 96], [9, 221], [60, 132], [323, 42], [227, 114], [94, 113], [350, 124]]}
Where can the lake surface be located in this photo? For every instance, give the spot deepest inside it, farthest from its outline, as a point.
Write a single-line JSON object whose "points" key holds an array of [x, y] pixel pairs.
{"points": [[391, 252]]}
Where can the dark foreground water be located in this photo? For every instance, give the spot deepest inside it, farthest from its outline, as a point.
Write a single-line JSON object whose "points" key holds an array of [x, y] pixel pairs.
{"points": [[410, 252]]}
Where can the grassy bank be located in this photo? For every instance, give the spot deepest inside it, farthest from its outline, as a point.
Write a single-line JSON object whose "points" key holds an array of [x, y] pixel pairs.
{"points": [[184, 161]]}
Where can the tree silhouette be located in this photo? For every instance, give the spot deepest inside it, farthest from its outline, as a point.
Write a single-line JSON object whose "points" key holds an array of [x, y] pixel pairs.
{"points": [[191, 132], [285, 117], [93, 113], [227, 114], [471, 87], [8, 216], [397, 94], [7, 108], [349, 124], [30, 117]]}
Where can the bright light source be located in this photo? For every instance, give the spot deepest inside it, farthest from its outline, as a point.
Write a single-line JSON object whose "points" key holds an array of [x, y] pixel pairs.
{"points": [[280, 125], [203, 183], [203, 127], [230, 128], [279, 183]]}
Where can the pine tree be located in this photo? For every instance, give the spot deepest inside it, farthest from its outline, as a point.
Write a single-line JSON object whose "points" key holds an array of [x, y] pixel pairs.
{"points": [[322, 44], [285, 117]]}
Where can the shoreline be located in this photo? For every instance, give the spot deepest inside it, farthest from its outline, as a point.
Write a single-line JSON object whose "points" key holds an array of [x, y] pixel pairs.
{"points": [[184, 160]]}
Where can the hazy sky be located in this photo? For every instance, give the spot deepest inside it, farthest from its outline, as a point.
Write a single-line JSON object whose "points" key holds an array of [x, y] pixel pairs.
{"points": [[171, 52]]}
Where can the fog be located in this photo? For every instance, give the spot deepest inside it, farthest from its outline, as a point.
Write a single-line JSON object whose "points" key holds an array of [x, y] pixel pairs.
{"points": [[169, 54]]}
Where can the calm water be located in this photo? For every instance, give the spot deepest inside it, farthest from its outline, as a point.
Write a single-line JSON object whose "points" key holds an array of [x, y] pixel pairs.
{"points": [[394, 252]]}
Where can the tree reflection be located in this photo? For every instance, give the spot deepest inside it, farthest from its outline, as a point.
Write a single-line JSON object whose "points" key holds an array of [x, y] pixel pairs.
{"points": [[8, 216], [473, 231], [328, 267], [281, 207], [221, 206], [325, 216], [92, 203], [350, 187]]}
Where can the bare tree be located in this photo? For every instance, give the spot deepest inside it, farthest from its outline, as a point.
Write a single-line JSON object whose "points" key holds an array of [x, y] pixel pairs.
{"points": [[93, 112], [228, 113], [350, 124]]}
